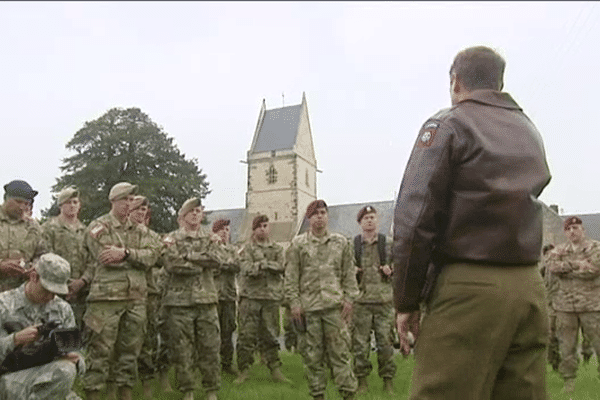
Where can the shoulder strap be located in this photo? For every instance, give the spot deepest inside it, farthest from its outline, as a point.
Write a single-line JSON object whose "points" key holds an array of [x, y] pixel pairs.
{"points": [[358, 249], [381, 239]]}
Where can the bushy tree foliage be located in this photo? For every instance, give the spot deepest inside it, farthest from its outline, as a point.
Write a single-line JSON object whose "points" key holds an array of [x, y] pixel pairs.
{"points": [[126, 145]]}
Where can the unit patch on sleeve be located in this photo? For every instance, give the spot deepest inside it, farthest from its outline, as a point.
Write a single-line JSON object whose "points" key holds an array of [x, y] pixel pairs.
{"points": [[97, 230], [427, 134]]}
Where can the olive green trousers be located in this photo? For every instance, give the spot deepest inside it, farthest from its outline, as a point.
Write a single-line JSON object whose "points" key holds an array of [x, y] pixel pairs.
{"points": [[484, 336]]}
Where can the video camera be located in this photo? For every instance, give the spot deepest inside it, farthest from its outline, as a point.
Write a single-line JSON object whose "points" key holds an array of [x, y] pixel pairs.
{"points": [[53, 342]]}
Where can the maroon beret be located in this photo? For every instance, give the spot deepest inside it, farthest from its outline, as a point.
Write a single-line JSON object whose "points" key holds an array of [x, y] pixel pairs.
{"points": [[572, 221], [364, 211], [219, 224], [314, 206], [259, 219]]}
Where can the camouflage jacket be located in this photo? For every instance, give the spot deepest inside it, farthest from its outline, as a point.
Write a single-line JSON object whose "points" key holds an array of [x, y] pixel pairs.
{"points": [[127, 279], [225, 276], [261, 271], [14, 306], [19, 239], [153, 273], [577, 287], [190, 259], [320, 272], [373, 287], [67, 242]]}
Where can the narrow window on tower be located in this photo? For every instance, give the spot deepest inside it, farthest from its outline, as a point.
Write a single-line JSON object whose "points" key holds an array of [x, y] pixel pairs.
{"points": [[271, 175]]}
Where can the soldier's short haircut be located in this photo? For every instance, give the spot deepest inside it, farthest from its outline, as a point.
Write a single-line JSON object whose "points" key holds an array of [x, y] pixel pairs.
{"points": [[479, 67]]}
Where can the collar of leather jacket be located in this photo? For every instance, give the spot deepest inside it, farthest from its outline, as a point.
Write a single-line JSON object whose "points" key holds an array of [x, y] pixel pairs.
{"points": [[492, 98]]}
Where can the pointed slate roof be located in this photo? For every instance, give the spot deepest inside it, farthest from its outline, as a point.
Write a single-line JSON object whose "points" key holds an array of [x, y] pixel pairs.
{"points": [[278, 129]]}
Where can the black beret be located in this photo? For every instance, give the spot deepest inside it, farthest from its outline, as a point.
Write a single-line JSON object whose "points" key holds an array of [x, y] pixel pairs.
{"points": [[20, 189]]}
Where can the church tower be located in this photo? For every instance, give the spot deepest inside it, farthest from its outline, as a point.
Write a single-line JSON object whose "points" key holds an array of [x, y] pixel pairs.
{"points": [[282, 170]]}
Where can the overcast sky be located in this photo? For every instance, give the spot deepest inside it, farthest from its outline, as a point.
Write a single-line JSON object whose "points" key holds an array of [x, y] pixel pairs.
{"points": [[372, 73]]}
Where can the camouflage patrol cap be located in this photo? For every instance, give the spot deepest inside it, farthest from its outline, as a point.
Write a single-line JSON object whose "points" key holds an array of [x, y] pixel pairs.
{"points": [[259, 219], [121, 190], [572, 221], [66, 194], [189, 205], [54, 272], [21, 189], [220, 224], [314, 206], [364, 211], [138, 201]]}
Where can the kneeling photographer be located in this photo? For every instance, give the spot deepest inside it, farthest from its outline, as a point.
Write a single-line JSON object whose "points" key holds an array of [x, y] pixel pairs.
{"points": [[38, 357]]}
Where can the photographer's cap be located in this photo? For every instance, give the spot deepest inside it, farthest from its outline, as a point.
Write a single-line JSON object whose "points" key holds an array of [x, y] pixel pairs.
{"points": [[54, 272]]}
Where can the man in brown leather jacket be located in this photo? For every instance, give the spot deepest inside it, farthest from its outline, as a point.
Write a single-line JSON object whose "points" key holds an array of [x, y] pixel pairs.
{"points": [[467, 209]]}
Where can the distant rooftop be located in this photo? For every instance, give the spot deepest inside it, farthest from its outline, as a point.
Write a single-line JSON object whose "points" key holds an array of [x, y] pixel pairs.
{"points": [[278, 129]]}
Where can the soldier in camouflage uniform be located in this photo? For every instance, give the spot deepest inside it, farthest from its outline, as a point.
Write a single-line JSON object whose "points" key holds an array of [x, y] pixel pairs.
{"points": [[191, 257], [121, 252], [261, 293], [64, 236], [373, 309], [225, 278], [320, 286], [146, 361], [550, 281], [576, 265], [32, 304], [21, 239]]}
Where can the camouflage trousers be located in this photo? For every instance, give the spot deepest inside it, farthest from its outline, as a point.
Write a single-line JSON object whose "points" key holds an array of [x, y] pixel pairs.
{"points": [[377, 317], [117, 330], [289, 332], [259, 327], [227, 319], [49, 381], [567, 328], [553, 352], [148, 354], [324, 345], [194, 343], [162, 357]]}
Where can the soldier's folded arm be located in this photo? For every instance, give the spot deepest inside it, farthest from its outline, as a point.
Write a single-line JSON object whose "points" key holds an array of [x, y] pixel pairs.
{"points": [[349, 284], [420, 212], [291, 281]]}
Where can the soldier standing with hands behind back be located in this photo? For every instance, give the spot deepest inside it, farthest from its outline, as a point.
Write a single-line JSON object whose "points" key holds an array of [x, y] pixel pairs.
{"points": [[320, 287], [373, 310]]}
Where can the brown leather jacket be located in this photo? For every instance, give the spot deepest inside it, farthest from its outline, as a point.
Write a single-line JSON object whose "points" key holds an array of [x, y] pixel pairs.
{"points": [[469, 192]]}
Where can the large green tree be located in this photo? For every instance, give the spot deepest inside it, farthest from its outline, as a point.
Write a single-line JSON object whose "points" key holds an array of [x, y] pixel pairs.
{"points": [[126, 145]]}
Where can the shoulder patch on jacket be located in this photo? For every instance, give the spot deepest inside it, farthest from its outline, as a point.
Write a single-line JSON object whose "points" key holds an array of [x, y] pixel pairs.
{"points": [[97, 230], [427, 134], [168, 241]]}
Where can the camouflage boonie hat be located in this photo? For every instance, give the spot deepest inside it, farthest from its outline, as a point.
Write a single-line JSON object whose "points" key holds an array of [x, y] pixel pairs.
{"points": [[54, 272], [122, 189], [189, 205], [66, 194]]}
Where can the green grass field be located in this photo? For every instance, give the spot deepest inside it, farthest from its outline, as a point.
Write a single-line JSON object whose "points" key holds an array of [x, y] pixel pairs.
{"points": [[260, 386]]}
